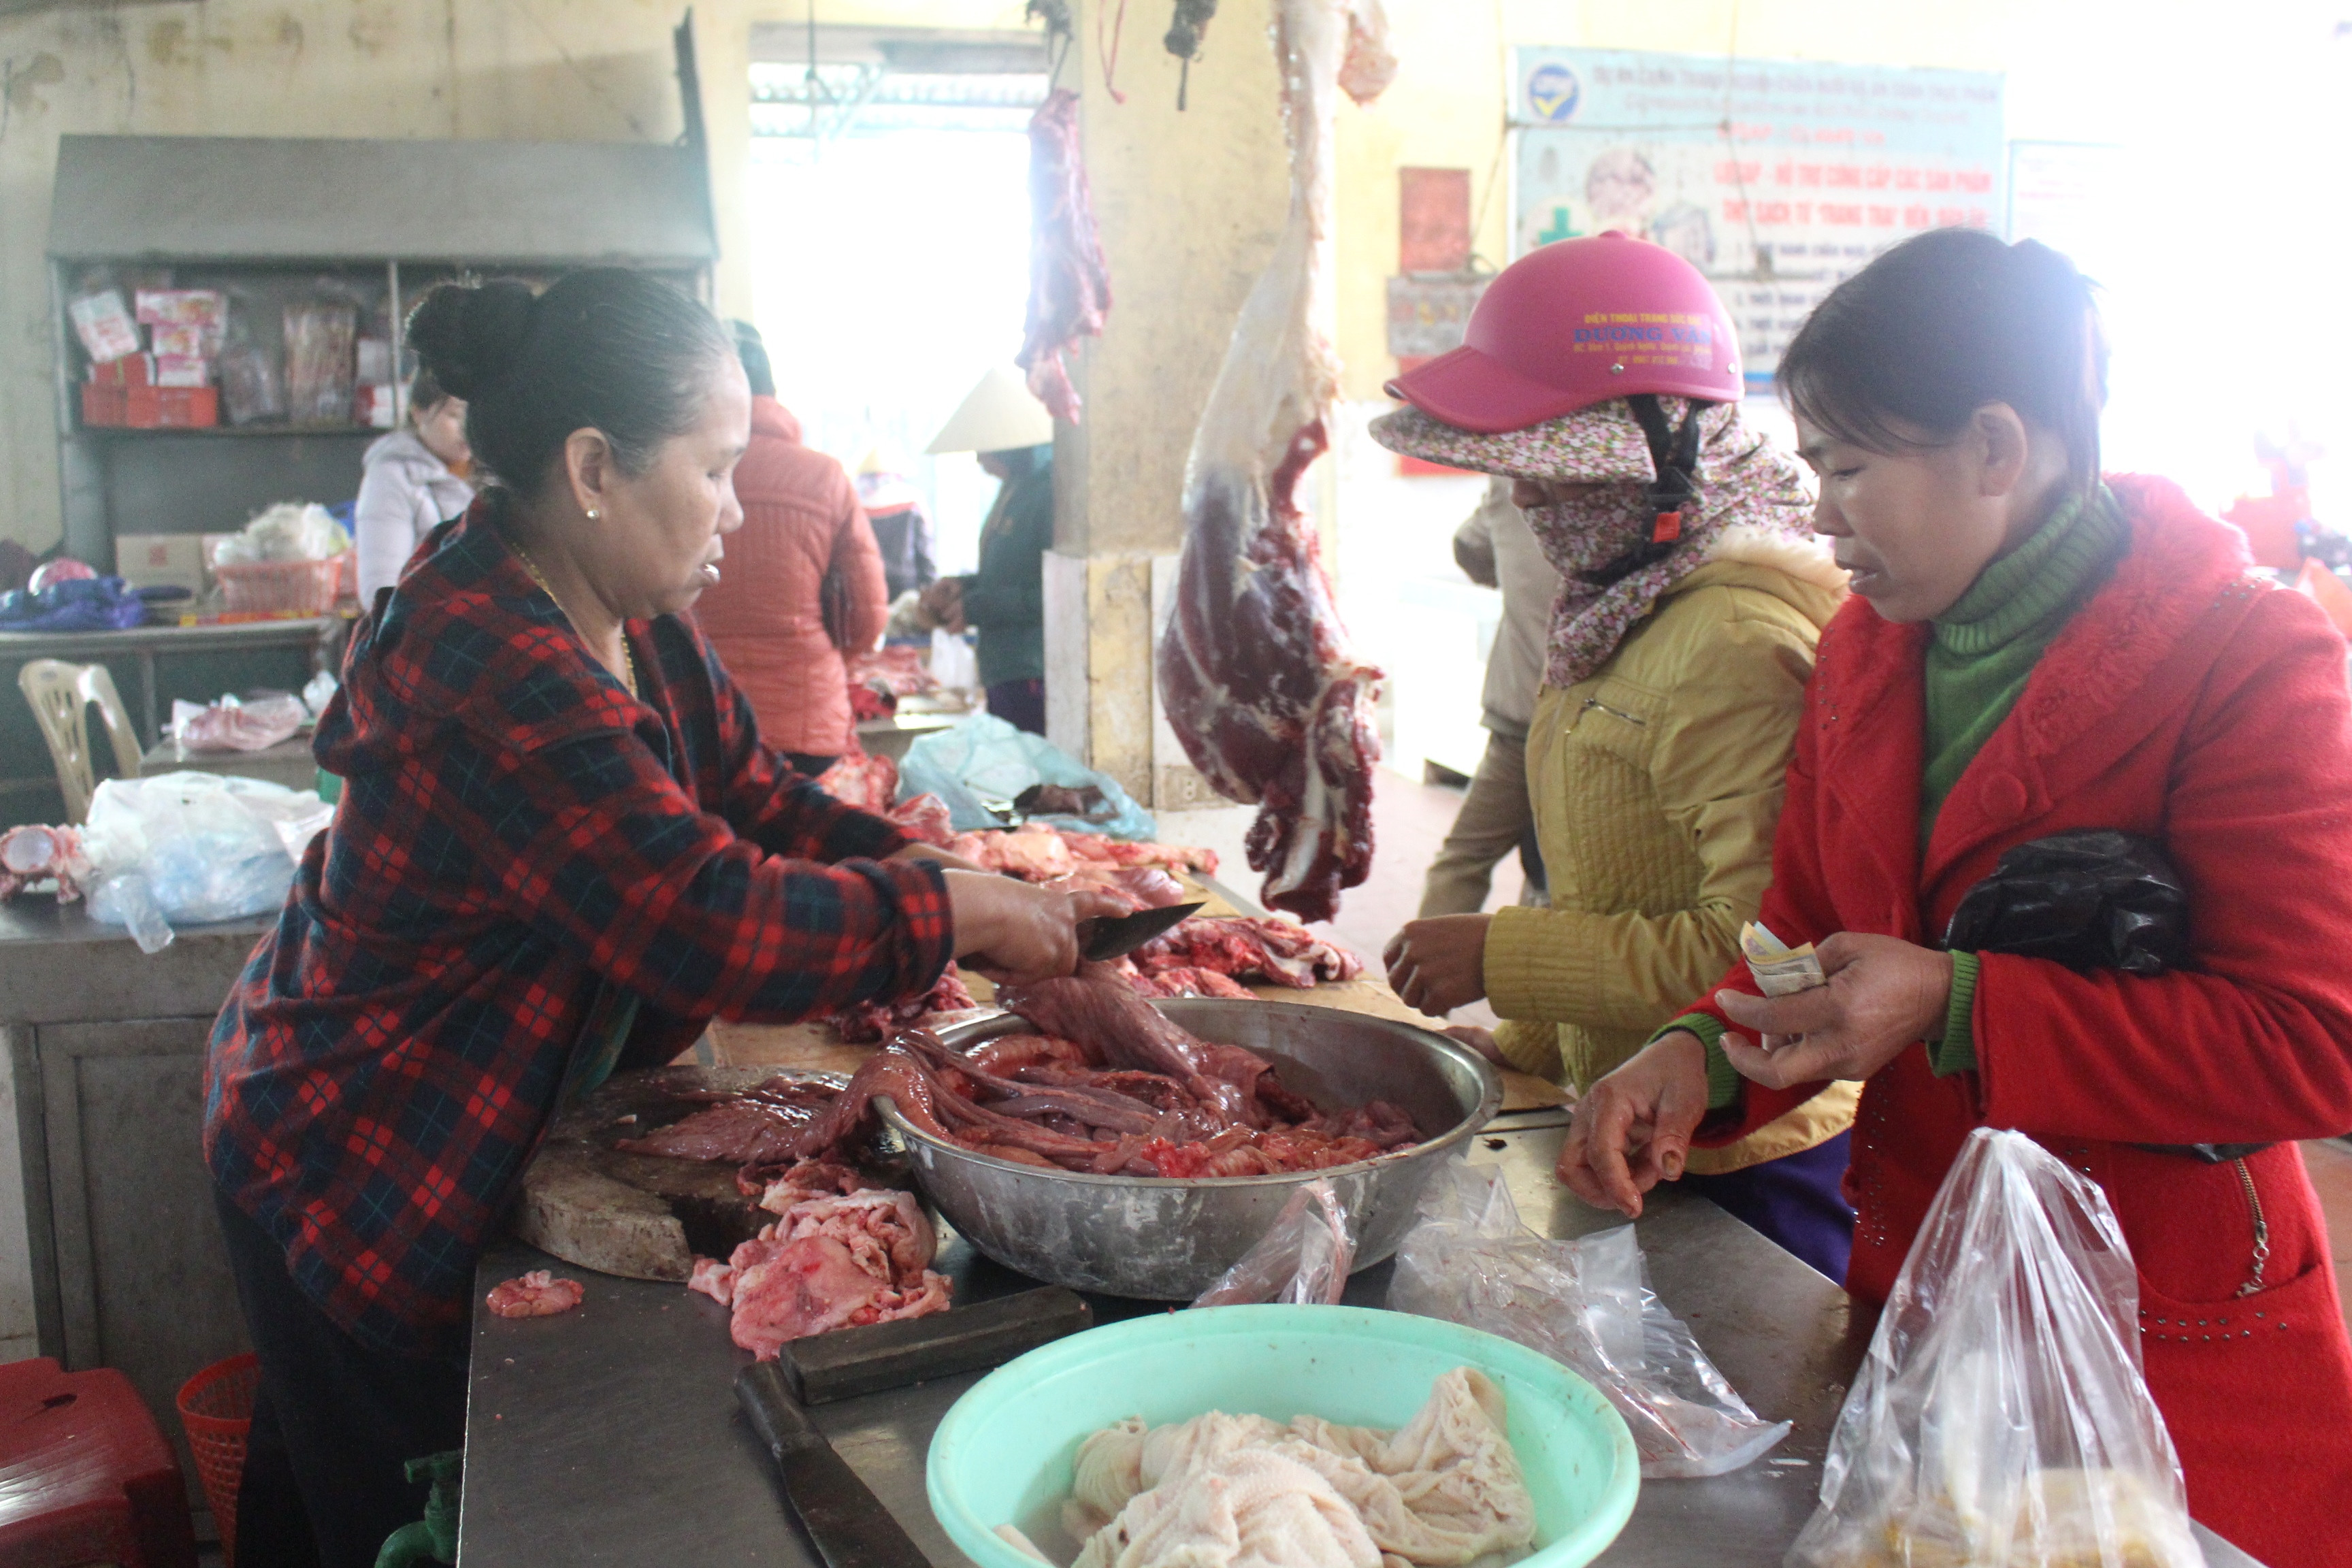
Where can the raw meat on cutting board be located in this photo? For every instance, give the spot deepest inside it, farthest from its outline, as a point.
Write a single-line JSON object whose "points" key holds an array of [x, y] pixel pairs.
{"points": [[1256, 673]]}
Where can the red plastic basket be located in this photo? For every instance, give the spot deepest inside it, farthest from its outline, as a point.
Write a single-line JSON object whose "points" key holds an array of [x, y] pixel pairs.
{"points": [[217, 1412], [303, 588]]}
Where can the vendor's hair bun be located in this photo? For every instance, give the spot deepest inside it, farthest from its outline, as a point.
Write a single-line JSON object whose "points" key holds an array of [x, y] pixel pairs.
{"points": [[1943, 324], [604, 349], [470, 335]]}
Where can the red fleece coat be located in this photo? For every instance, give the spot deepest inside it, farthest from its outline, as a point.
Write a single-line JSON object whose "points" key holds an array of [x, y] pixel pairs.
{"points": [[766, 616], [2189, 701]]}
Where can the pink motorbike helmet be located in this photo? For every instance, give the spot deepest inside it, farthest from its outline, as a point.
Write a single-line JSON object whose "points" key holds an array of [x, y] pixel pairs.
{"points": [[1582, 321]]}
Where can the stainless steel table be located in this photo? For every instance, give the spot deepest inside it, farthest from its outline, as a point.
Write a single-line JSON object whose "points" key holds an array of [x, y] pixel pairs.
{"points": [[610, 1435], [323, 635], [289, 763]]}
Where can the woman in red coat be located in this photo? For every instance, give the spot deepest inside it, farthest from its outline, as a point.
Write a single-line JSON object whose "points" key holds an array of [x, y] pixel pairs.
{"points": [[804, 540], [2028, 652]]}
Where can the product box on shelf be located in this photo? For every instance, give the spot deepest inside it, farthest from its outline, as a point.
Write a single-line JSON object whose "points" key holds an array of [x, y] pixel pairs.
{"points": [[105, 328], [161, 559], [187, 338], [131, 370], [184, 307], [174, 407], [182, 370], [104, 405]]}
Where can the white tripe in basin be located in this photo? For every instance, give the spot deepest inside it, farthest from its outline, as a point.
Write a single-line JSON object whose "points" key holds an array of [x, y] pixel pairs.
{"points": [[1245, 1492]]}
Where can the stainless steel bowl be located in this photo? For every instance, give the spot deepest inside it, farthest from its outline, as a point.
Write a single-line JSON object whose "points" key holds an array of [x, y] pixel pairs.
{"points": [[1168, 1240]]}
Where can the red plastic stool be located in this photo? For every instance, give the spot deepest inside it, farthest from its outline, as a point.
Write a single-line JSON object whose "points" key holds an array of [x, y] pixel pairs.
{"points": [[86, 1475]]}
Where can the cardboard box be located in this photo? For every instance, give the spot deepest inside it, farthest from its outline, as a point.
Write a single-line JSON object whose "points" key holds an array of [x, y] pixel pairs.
{"points": [[104, 406], [182, 370], [131, 370], [174, 407], [104, 327], [161, 559], [183, 338], [184, 307]]}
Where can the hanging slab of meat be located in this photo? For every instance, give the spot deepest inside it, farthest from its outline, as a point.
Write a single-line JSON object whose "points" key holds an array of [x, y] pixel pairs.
{"points": [[1256, 673], [1069, 283]]}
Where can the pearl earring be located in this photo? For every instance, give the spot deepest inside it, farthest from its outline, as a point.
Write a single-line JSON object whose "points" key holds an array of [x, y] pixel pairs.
{"points": [[591, 514]]}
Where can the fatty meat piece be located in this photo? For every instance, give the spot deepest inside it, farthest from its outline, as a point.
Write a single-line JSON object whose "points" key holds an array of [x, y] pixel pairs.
{"points": [[1218, 1490], [1136, 887], [897, 668], [870, 1023], [862, 780], [538, 1294], [1257, 674], [926, 819], [827, 1263], [1277, 951]]}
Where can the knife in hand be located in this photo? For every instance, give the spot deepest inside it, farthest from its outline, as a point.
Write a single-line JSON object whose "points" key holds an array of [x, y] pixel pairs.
{"points": [[844, 1521], [1115, 936]]}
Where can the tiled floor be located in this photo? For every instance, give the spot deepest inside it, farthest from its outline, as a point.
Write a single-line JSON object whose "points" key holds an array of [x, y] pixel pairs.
{"points": [[1410, 820], [2331, 1171]]}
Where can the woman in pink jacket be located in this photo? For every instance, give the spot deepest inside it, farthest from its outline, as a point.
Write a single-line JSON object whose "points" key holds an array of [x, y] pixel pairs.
{"points": [[766, 616]]}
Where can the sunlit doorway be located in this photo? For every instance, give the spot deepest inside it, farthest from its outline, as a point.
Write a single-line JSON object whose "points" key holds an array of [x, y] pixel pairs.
{"points": [[889, 229]]}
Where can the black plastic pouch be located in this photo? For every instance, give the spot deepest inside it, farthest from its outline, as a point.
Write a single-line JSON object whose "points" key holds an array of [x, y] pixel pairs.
{"points": [[2097, 898], [2094, 898]]}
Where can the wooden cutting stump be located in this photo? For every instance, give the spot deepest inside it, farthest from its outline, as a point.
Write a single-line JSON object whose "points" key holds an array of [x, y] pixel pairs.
{"points": [[641, 1215]]}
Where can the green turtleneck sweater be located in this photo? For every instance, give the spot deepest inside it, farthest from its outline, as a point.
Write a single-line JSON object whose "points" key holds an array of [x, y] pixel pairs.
{"points": [[1981, 653]]}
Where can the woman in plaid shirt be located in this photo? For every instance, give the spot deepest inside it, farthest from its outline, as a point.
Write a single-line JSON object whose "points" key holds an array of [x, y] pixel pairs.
{"points": [[561, 848]]}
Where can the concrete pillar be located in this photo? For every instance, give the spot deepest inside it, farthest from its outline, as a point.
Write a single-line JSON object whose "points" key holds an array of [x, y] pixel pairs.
{"points": [[1190, 205]]}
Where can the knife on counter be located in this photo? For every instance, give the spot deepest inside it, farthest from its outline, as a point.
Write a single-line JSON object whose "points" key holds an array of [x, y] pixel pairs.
{"points": [[844, 1521]]}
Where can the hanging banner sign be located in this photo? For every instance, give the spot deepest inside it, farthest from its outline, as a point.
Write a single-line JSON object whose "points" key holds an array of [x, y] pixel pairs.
{"points": [[1778, 179]]}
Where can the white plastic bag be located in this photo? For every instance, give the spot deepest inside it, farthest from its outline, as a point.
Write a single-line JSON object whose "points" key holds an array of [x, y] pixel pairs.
{"points": [[1303, 1258], [2001, 1420], [290, 531], [190, 847], [1586, 1303]]}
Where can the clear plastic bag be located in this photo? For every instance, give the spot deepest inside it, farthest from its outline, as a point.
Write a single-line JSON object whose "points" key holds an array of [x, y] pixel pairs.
{"points": [[983, 758], [2001, 1420], [192, 847], [1585, 1304], [1303, 1258], [236, 725]]}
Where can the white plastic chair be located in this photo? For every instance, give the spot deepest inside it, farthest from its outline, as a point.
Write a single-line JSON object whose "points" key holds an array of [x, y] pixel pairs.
{"points": [[61, 695]]}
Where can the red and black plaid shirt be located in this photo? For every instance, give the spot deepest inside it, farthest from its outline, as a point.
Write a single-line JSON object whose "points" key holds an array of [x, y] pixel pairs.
{"points": [[516, 834]]}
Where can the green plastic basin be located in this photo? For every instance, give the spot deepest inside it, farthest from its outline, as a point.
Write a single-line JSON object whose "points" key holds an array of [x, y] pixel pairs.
{"points": [[1003, 1455]]}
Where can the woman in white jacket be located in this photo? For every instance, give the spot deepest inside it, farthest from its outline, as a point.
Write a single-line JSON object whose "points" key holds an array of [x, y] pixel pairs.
{"points": [[411, 484]]}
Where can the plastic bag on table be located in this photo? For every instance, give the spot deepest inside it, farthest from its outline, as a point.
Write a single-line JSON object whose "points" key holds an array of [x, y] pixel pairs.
{"points": [[1303, 1258], [1586, 1304], [983, 758], [2001, 1417], [191, 846], [235, 725]]}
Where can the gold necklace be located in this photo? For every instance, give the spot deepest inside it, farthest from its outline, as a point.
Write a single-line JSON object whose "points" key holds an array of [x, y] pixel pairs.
{"points": [[628, 657]]}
